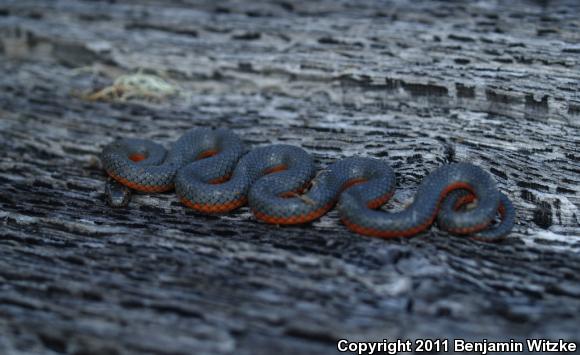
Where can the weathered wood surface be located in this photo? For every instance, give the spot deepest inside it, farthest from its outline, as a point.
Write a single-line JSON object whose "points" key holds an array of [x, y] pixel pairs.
{"points": [[417, 84]]}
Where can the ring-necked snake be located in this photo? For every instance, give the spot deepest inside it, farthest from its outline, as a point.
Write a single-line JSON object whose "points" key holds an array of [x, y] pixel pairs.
{"points": [[211, 174]]}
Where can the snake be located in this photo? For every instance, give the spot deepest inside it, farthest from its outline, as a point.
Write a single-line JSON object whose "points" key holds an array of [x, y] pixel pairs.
{"points": [[212, 172]]}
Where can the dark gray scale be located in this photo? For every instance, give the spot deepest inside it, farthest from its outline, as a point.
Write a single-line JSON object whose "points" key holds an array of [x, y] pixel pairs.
{"points": [[421, 212], [492, 233], [486, 194], [144, 164], [194, 182], [500, 231], [267, 195], [378, 175], [354, 209], [159, 167], [115, 158]]}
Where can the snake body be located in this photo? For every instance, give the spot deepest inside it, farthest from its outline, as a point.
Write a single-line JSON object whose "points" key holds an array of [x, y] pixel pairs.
{"points": [[211, 174]]}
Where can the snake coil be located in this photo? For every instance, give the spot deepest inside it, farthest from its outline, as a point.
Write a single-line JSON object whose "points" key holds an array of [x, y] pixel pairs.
{"points": [[211, 174]]}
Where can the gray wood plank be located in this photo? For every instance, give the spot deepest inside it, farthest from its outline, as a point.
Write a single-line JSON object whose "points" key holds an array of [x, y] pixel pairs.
{"points": [[417, 84]]}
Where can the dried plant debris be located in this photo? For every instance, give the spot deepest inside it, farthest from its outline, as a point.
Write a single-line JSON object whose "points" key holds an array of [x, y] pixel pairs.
{"points": [[139, 86]]}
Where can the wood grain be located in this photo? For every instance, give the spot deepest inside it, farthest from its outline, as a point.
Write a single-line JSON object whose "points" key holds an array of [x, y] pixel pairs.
{"points": [[419, 84]]}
